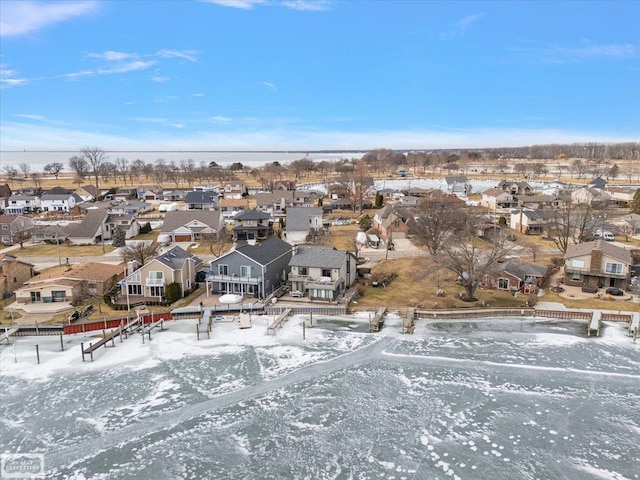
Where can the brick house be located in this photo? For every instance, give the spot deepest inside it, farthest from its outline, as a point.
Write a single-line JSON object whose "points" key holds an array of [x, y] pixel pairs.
{"points": [[13, 274], [597, 264]]}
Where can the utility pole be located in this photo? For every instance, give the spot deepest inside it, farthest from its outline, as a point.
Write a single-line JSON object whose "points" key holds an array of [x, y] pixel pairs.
{"points": [[58, 243]]}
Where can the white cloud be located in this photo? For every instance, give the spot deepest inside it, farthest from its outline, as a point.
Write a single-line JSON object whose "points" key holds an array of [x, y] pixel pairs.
{"points": [[185, 54], [243, 4], [306, 5], [128, 67], [160, 78], [113, 56], [270, 85], [220, 119], [24, 17], [588, 51], [30, 117], [460, 27], [198, 94]]}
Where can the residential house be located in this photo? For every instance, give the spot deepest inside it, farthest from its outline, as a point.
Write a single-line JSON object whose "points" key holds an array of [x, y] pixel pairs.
{"points": [[302, 222], [409, 201], [201, 200], [284, 185], [230, 207], [456, 185], [622, 196], [189, 226], [632, 221], [597, 182], [251, 270], [591, 196], [85, 207], [392, 222], [495, 198], [252, 225], [18, 204], [99, 225], [274, 202], [306, 198], [173, 195], [531, 222], [5, 193], [320, 272], [555, 188], [340, 203], [150, 193], [70, 283], [539, 201], [57, 190], [13, 273], [522, 277], [125, 194], [63, 202], [151, 279], [52, 233], [88, 193], [516, 188], [15, 229], [234, 189], [597, 264], [414, 191], [131, 207]]}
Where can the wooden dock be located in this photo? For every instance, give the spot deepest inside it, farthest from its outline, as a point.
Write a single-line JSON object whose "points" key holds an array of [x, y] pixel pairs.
{"points": [[245, 320], [375, 323], [106, 338], [634, 326], [8, 333], [594, 323], [408, 322], [271, 330]]}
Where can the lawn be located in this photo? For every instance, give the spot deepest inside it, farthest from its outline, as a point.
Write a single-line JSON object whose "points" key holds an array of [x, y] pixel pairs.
{"points": [[49, 250]]}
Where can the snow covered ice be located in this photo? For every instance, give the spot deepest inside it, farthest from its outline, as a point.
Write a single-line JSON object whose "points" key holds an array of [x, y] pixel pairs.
{"points": [[491, 398]]}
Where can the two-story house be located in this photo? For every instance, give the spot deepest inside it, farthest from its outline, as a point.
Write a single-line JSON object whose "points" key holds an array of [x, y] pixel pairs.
{"points": [[63, 202], [274, 202], [150, 280], [201, 200], [13, 273], [230, 207], [302, 222], [515, 188], [251, 270], [18, 204], [531, 222], [190, 226], [321, 273], [15, 229], [99, 225], [233, 189], [173, 195], [495, 198], [5, 193], [597, 264], [392, 222], [252, 225], [456, 185]]}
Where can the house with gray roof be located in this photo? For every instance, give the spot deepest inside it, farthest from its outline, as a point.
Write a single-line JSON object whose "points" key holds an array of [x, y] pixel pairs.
{"points": [[531, 222], [302, 222], [251, 270], [320, 272], [274, 202], [456, 185], [597, 264], [522, 277], [19, 203], [201, 200], [190, 226], [131, 207], [150, 280], [252, 225], [100, 225]]}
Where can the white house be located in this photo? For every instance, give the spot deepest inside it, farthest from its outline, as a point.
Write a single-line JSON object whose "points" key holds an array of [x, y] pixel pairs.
{"points": [[496, 197], [50, 202], [456, 185], [19, 204], [301, 221]]}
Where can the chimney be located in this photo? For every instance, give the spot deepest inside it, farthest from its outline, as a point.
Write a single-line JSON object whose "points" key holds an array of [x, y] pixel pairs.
{"points": [[596, 257], [294, 250]]}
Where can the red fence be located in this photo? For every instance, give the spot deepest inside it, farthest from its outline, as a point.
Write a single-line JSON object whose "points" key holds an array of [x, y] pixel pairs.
{"points": [[114, 323]]}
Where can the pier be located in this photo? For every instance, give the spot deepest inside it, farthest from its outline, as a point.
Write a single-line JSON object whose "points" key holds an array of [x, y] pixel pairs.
{"points": [[408, 322], [594, 323], [8, 333], [634, 326], [271, 330], [375, 323]]}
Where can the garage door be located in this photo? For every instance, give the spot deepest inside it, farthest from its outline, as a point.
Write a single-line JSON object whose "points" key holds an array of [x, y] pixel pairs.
{"points": [[399, 235], [183, 238]]}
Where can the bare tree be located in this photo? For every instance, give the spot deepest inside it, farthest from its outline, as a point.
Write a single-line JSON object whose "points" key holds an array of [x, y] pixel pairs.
{"points": [[122, 164], [79, 166], [436, 220], [95, 158], [37, 179], [98, 291], [473, 259], [219, 243], [21, 231], [140, 252], [571, 224], [53, 169], [25, 168]]}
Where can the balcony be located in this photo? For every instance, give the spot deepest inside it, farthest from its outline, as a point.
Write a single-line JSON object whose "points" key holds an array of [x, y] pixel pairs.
{"points": [[154, 282], [324, 283], [234, 279], [595, 272]]}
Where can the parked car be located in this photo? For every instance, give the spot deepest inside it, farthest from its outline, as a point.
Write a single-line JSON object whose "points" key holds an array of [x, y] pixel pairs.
{"points": [[616, 292]]}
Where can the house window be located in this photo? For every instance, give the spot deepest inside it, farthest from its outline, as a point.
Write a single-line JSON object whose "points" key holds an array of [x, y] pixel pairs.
{"points": [[135, 289], [503, 284], [59, 295], [576, 277], [35, 297], [156, 291], [245, 271], [5, 227], [326, 272], [250, 222], [156, 275], [577, 263], [302, 271], [615, 268], [223, 269]]}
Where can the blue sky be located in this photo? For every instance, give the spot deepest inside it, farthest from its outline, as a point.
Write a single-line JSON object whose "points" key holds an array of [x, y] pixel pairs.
{"points": [[254, 75]]}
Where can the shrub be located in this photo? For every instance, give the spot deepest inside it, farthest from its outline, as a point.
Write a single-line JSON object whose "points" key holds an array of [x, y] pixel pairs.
{"points": [[173, 292]]}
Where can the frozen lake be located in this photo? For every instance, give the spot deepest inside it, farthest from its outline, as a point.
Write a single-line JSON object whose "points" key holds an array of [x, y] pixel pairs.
{"points": [[498, 399]]}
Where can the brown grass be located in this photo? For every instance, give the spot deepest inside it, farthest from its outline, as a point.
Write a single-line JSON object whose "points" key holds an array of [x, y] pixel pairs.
{"points": [[48, 250]]}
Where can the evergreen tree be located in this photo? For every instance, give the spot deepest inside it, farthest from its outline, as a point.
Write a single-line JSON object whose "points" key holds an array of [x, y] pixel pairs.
{"points": [[118, 238]]}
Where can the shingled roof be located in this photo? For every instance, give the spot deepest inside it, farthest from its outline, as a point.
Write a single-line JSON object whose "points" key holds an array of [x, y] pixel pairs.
{"points": [[266, 251], [317, 256]]}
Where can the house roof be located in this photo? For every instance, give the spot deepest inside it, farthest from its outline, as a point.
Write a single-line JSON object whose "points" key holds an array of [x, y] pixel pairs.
{"points": [[456, 179], [176, 258], [58, 191], [598, 182], [95, 271], [608, 249], [252, 215], [522, 270], [268, 198], [22, 196], [178, 218], [317, 256], [5, 190], [56, 196], [5, 258], [90, 189], [266, 251], [90, 224], [535, 214], [298, 218], [9, 219], [234, 202], [207, 197], [494, 192]]}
